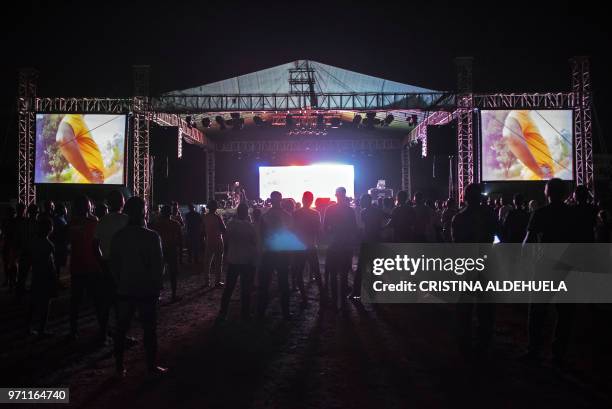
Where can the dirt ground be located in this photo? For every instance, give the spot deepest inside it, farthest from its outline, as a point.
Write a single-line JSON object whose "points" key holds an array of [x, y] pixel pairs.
{"points": [[372, 356]]}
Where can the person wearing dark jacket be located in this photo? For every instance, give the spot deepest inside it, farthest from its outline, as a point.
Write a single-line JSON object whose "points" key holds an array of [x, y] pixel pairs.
{"points": [[44, 279], [137, 266]]}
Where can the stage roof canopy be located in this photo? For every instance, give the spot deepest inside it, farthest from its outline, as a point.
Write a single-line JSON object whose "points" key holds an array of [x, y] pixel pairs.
{"points": [[327, 80]]}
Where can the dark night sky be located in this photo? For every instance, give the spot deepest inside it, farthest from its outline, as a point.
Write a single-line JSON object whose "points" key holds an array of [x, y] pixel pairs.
{"points": [[89, 49]]}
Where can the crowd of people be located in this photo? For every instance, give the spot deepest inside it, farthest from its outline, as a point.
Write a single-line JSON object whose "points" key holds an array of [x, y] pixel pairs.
{"points": [[117, 253]]}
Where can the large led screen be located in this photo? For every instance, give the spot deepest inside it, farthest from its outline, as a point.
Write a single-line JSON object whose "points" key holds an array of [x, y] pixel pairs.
{"points": [[292, 181], [526, 145], [77, 148]]}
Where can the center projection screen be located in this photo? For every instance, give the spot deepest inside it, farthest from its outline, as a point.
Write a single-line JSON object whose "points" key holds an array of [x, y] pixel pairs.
{"points": [[523, 145], [80, 148], [320, 179]]}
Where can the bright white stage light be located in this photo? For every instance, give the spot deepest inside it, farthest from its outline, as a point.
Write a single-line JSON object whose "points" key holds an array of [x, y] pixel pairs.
{"points": [[321, 179]]}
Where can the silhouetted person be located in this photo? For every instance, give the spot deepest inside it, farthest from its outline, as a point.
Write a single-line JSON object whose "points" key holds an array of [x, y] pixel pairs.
{"points": [[447, 218], [86, 274], [170, 233], [551, 223], [424, 220], [241, 256], [403, 220], [340, 225], [137, 266], [44, 278], [100, 210], [9, 251], [60, 237], [26, 230], [373, 221], [514, 225], [277, 247], [503, 210], [193, 224], [474, 224], [177, 216], [584, 216], [603, 231], [307, 226], [48, 210], [214, 229], [106, 229]]}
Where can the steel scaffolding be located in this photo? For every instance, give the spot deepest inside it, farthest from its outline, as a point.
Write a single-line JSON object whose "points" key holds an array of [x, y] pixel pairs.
{"points": [[26, 129]]}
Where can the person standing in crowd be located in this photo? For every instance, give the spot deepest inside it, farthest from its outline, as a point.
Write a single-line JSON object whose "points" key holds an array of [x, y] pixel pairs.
{"points": [[340, 225], [275, 236], [423, 220], [137, 266], [584, 216], [474, 224], [153, 215], [514, 225], [373, 220], [170, 233], [214, 229], [60, 237], [533, 206], [193, 223], [177, 216], [307, 226], [241, 251], [105, 230], [27, 234], [550, 224], [48, 209], [100, 210], [21, 239], [603, 231], [85, 270], [504, 209], [44, 278], [9, 258], [447, 218], [403, 220]]}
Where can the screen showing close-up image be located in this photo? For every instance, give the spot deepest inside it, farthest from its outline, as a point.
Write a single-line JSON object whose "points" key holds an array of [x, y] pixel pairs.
{"points": [[78, 148], [525, 145]]}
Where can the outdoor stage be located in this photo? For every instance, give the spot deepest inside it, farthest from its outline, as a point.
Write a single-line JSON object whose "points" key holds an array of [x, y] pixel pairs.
{"points": [[315, 110]]}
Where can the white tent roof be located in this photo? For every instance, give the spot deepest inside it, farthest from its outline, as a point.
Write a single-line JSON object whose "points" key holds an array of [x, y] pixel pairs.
{"points": [[328, 79]]}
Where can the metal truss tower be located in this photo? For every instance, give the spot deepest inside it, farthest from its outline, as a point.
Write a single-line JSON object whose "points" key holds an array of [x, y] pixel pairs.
{"points": [[302, 84], [26, 128], [465, 116], [142, 116], [583, 131]]}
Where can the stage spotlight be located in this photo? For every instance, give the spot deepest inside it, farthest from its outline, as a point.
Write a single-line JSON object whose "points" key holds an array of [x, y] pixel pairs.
{"points": [[357, 120], [389, 119], [219, 119], [335, 123], [206, 122], [257, 120]]}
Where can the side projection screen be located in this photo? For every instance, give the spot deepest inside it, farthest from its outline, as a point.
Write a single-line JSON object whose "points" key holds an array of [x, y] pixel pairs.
{"points": [[77, 148], [526, 145]]}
